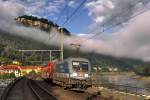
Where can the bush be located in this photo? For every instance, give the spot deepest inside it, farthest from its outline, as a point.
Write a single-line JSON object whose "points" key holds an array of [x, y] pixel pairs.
{"points": [[145, 70], [12, 75], [7, 75], [32, 72]]}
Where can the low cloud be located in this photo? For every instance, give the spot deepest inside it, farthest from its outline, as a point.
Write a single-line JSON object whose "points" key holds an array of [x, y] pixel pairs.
{"points": [[132, 41], [111, 12], [7, 24]]}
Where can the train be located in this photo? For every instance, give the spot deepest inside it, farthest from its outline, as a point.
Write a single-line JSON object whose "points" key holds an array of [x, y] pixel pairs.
{"points": [[73, 73]]}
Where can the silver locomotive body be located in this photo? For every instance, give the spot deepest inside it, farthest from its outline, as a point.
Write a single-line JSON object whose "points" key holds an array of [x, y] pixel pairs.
{"points": [[73, 73]]}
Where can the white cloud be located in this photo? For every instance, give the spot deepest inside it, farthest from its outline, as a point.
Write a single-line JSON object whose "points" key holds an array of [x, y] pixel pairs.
{"points": [[6, 13], [40, 7], [72, 3], [114, 11], [8, 24], [133, 41], [99, 19], [98, 8]]}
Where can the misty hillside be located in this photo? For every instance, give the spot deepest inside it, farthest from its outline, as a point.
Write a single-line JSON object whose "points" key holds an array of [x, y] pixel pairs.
{"points": [[10, 43], [15, 43]]}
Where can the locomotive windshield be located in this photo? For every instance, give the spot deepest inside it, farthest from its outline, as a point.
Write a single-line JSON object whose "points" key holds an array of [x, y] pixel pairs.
{"points": [[80, 66]]}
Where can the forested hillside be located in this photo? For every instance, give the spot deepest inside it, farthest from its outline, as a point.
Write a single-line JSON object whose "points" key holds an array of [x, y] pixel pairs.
{"points": [[9, 44]]}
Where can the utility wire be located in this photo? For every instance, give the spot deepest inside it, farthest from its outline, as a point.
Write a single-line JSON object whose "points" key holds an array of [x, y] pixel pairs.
{"points": [[62, 12], [115, 25], [146, 10], [59, 17], [74, 13]]}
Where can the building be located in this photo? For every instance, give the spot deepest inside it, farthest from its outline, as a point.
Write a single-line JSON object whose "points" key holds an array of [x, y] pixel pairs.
{"points": [[27, 69], [11, 69], [2, 71], [113, 69]]}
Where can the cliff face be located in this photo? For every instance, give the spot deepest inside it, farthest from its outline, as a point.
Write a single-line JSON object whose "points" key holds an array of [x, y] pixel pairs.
{"points": [[40, 23]]}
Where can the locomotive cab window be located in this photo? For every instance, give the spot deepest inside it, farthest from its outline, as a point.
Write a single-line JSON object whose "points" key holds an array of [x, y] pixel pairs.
{"points": [[76, 65], [84, 66], [80, 66]]}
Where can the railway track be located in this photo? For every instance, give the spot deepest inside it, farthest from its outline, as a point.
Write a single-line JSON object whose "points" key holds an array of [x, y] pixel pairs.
{"points": [[26, 89], [7, 94], [40, 92]]}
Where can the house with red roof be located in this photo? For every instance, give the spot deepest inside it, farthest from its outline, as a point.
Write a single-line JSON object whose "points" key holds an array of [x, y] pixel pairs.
{"points": [[27, 69], [11, 69]]}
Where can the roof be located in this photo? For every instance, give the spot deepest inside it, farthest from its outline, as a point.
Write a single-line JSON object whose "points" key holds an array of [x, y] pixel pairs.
{"points": [[10, 67], [77, 59], [30, 67], [19, 67]]}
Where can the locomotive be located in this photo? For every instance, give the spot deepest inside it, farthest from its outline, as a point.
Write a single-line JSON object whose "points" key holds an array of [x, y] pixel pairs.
{"points": [[72, 73]]}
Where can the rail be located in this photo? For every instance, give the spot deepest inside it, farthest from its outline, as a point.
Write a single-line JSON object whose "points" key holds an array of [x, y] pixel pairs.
{"points": [[9, 88], [39, 91]]}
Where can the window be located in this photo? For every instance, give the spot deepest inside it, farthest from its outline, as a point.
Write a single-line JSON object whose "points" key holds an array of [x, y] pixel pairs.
{"points": [[80, 66], [62, 68]]}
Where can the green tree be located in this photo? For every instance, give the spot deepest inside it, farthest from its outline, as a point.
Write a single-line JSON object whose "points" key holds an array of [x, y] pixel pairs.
{"points": [[32, 72], [5, 76], [12, 75]]}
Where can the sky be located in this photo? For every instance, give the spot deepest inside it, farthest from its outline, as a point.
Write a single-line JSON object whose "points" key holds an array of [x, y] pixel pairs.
{"points": [[119, 28], [51, 9], [93, 12]]}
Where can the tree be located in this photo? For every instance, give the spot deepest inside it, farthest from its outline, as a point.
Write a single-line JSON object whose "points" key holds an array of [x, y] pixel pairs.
{"points": [[32, 72], [143, 70], [5, 76], [12, 75]]}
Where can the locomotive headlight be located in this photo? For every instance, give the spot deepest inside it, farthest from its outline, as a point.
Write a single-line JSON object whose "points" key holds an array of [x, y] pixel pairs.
{"points": [[74, 74], [86, 75]]}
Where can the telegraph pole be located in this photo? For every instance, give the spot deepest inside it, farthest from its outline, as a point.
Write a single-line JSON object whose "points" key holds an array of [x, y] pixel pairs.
{"points": [[61, 44]]}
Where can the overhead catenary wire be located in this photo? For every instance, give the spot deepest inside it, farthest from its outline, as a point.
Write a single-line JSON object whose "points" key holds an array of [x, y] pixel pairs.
{"points": [[97, 32], [61, 13], [74, 12], [59, 17], [82, 41], [105, 24]]}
